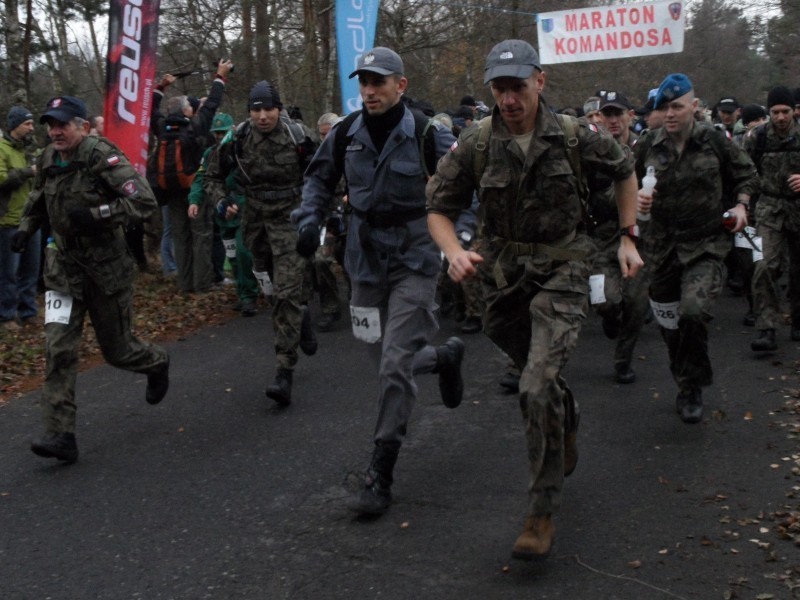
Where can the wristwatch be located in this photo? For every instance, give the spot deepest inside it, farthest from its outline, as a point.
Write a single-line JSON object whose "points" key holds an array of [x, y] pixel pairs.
{"points": [[632, 231]]}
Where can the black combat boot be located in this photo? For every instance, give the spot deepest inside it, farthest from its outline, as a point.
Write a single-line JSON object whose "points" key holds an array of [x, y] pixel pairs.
{"points": [[765, 342], [281, 390], [308, 341], [158, 384], [624, 373], [376, 496], [690, 405], [448, 365], [56, 445]]}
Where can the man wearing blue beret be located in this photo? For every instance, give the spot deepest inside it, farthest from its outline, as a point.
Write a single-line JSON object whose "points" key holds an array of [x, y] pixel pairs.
{"points": [[697, 170]]}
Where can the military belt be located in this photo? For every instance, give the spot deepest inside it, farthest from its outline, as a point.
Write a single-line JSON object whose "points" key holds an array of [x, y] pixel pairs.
{"points": [[382, 220], [84, 242], [554, 250], [275, 194]]}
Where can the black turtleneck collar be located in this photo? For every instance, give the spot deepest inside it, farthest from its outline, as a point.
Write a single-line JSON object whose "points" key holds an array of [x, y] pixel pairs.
{"points": [[380, 126]]}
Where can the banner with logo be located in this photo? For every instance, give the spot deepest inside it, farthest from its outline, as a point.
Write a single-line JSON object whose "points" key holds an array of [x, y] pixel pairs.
{"points": [[355, 34], [616, 31], [130, 73]]}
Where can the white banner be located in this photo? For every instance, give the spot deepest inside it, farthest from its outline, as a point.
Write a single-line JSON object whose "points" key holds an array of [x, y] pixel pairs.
{"points": [[617, 31]]}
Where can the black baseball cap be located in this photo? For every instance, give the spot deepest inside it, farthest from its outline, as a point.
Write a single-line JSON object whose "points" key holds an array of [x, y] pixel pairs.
{"points": [[616, 100], [728, 104], [64, 109]]}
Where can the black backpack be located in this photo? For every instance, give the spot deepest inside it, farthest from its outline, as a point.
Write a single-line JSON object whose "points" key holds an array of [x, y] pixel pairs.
{"points": [[176, 157]]}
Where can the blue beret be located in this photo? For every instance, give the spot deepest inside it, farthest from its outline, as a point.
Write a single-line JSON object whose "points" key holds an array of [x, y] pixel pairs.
{"points": [[674, 86]]}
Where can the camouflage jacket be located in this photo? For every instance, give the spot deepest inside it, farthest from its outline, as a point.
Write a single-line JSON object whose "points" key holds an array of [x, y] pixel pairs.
{"points": [[267, 164], [779, 158], [688, 202], [98, 174], [531, 198]]}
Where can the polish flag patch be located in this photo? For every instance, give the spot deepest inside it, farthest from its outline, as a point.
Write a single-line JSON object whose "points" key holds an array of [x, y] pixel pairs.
{"points": [[454, 146], [112, 160]]}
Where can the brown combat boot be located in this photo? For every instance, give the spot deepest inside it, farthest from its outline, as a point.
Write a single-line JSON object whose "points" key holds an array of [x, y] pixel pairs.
{"points": [[536, 539]]}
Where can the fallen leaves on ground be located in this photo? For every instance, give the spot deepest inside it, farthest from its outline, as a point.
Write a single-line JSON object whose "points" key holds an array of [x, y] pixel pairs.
{"points": [[160, 314]]}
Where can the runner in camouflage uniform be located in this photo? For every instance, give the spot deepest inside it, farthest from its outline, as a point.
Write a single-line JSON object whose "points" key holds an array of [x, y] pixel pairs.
{"points": [[88, 191], [535, 265]]}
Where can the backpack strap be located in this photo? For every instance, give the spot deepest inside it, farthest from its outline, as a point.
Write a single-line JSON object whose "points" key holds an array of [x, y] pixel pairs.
{"points": [[480, 147], [761, 145], [569, 125], [238, 141], [341, 140]]}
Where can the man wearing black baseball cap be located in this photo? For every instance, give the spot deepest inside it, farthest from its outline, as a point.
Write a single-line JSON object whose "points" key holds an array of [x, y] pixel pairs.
{"points": [[89, 269], [728, 111], [535, 253], [390, 257], [617, 114]]}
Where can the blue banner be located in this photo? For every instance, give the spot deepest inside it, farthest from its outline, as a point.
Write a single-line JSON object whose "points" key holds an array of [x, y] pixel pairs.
{"points": [[355, 34]]}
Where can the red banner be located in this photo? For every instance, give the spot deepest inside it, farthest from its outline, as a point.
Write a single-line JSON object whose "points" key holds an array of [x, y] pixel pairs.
{"points": [[130, 73]]}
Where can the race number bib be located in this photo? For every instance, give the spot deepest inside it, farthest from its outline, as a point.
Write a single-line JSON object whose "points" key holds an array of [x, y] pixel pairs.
{"points": [[230, 247], [57, 307], [739, 239], [758, 254], [264, 281], [597, 286], [666, 313], [366, 323]]}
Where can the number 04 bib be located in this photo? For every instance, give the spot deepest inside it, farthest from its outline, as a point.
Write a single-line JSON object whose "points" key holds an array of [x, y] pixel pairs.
{"points": [[366, 323]]}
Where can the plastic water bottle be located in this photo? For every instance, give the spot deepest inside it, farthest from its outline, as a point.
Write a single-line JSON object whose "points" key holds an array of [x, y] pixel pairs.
{"points": [[648, 185], [728, 220]]}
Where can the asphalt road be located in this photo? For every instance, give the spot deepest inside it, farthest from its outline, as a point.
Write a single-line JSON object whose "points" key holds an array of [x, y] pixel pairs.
{"points": [[216, 493]]}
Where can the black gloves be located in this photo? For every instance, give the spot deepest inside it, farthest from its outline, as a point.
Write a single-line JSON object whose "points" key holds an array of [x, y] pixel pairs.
{"points": [[19, 239], [308, 241], [83, 222]]}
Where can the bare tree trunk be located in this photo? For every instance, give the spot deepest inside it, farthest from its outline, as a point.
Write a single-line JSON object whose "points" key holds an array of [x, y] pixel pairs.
{"points": [[311, 55], [16, 84], [247, 41], [263, 66]]}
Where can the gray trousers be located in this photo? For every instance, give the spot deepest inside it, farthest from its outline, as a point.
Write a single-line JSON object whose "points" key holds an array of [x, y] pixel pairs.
{"points": [[407, 323]]}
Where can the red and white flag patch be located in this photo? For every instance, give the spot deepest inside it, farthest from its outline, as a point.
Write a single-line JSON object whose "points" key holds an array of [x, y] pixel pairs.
{"points": [[112, 160]]}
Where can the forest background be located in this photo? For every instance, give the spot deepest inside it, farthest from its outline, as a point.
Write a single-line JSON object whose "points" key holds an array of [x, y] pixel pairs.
{"points": [[740, 48]]}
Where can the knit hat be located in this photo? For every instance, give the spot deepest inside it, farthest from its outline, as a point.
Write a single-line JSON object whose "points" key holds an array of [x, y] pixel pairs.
{"points": [[468, 101], [752, 112], [264, 95], [674, 86], [780, 95], [17, 116]]}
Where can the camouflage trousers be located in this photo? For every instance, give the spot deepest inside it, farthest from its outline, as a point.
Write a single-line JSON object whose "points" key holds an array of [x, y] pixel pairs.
{"points": [[535, 320], [777, 241], [111, 318], [271, 238], [696, 286], [627, 300]]}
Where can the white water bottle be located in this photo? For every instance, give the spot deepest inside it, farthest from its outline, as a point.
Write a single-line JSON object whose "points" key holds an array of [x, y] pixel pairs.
{"points": [[648, 185]]}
